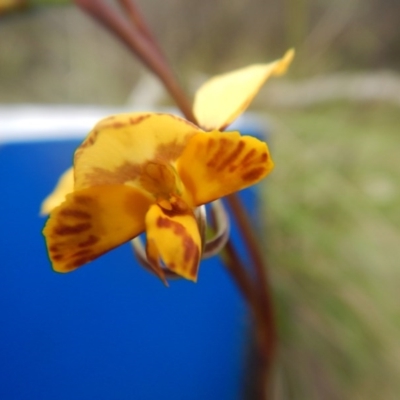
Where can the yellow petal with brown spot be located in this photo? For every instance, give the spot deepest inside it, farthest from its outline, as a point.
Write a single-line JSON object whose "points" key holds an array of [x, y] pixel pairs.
{"points": [[216, 164], [117, 148], [93, 221], [174, 237], [223, 98], [65, 185]]}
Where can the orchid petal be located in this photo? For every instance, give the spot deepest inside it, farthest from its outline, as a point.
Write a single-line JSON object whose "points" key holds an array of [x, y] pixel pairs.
{"points": [[93, 221], [174, 237], [65, 185], [118, 148], [223, 98], [216, 164]]}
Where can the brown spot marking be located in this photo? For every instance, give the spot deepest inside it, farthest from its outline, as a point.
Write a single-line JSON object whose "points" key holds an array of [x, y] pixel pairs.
{"points": [[53, 248], [71, 230], [123, 173], [57, 257], [78, 153], [89, 141], [179, 207], [253, 174], [83, 200], [264, 157], [169, 151], [249, 156], [195, 262], [233, 168], [83, 260], [70, 212], [167, 223], [223, 146], [210, 144], [89, 241], [191, 251], [118, 125], [82, 252], [138, 119], [233, 156], [78, 262], [191, 254]]}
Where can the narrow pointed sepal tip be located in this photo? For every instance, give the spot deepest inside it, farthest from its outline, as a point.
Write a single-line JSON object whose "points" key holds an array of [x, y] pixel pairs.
{"points": [[221, 99], [284, 63]]}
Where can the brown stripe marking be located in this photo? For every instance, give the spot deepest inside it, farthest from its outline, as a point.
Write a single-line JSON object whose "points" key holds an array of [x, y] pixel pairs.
{"points": [[210, 144], [233, 156], [78, 262], [253, 174], [71, 230], [83, 200], [82, 252], [89, 241], [223, 145], [249, 156], [264, 157], [191, 251], [138, 119], [70, 212]]}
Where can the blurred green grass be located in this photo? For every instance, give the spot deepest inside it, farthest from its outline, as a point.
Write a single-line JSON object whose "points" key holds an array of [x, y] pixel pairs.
{"points": [[333, 235]]}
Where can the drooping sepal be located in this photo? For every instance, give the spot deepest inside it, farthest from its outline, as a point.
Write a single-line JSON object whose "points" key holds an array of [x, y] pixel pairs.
{"points": [[91, 222]]}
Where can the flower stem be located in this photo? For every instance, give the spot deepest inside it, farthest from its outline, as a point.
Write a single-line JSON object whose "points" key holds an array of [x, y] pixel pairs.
{"points": [[141, 47], [140, 23], [259, 262]]}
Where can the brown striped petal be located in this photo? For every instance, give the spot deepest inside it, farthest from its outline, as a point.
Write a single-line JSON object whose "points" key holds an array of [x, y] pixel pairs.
{"points": [[215, 164]]}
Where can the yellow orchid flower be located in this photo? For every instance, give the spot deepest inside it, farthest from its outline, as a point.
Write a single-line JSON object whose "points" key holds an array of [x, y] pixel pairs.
{"points": [[148, 172]]}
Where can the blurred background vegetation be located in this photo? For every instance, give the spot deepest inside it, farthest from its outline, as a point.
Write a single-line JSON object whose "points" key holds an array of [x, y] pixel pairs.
{"points": [[332, 204]]}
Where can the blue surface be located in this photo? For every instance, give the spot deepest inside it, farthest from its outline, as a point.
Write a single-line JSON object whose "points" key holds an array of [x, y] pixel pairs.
{"points": [[109, 330]]}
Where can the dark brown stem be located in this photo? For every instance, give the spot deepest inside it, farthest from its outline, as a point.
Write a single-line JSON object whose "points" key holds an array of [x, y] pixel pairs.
{"points": [[139, 45], [269, 337], [239, 274], [139, 22], [258, 378]]}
